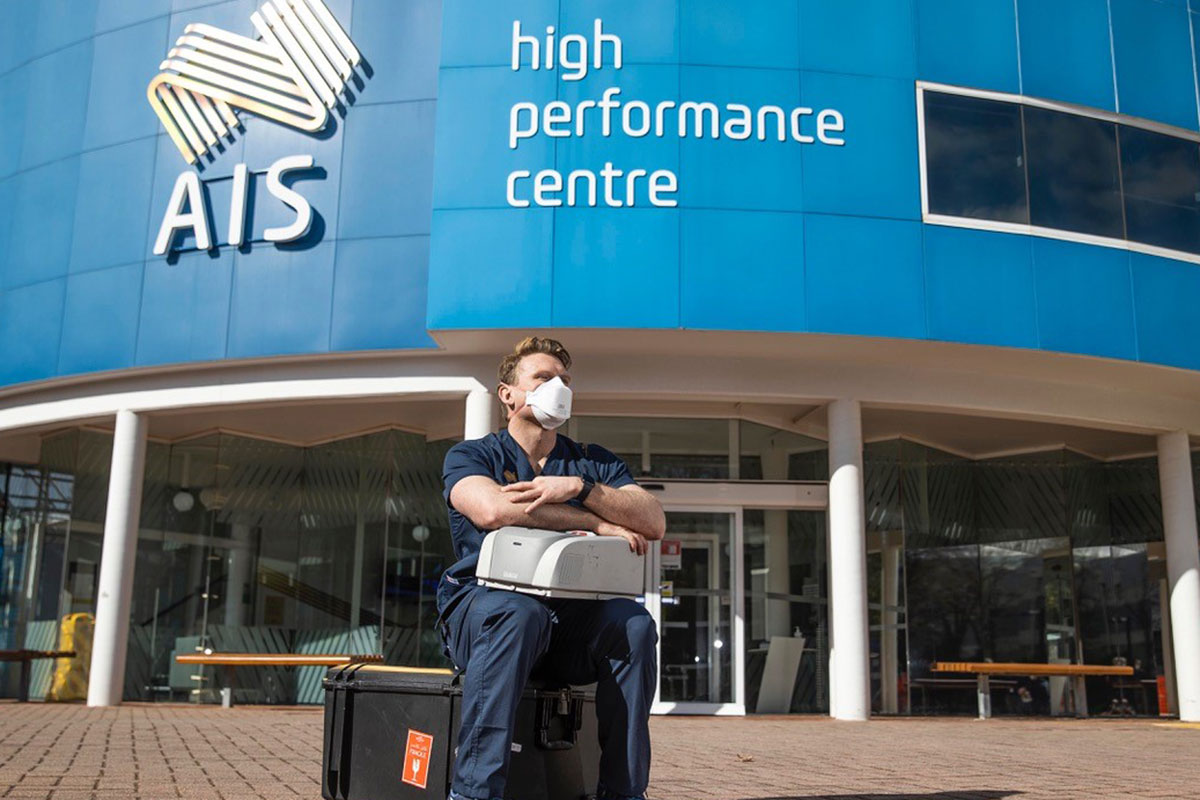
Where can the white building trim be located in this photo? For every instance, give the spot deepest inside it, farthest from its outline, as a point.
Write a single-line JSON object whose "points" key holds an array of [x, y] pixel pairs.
{"points": [[300, 390]]}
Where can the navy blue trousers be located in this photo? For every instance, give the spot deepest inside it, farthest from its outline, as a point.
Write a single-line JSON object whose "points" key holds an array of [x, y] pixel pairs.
{"points": [[499, 638]]}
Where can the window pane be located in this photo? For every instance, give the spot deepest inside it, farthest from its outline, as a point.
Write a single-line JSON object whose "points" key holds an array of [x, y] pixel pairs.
{"points": [[786, 605], [663, 448], [697, 610], [775, 455], [1074, 183], [1162, 189], [974, 158]]}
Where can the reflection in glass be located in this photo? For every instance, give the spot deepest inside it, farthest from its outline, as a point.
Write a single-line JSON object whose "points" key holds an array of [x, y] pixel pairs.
{"points": [[35, 507], [1028, 596], [1118, 580], [1072, 172], [1162, 189], [663, 448], [701, 448], [696, 631], [252, 545], [773, 454], [247, 544], [787, 634], [885, 576], [92, 455], [418, 549], [974, 157], [1074, 179], [1041, 557], [13, 547], [888, 622], [945, 624], [1119, 613]]}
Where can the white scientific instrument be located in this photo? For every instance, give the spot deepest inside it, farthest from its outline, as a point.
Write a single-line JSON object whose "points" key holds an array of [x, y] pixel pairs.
{"points": [[575, 564]]}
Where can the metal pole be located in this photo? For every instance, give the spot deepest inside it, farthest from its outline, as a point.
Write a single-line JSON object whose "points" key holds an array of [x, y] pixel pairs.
{"points": [[420, 599], [360, 534], [1168, 644], [889, 629], [237, 573], [154, 636]]}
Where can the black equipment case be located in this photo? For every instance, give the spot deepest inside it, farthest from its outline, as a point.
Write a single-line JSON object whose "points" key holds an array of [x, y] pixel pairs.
{"points": [[391, 734]]}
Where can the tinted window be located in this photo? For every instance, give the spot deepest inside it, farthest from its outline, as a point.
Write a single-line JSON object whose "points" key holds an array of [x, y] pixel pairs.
{"points": [[1074, 180], [1162, 189], [974, 158], [1059, 170]]}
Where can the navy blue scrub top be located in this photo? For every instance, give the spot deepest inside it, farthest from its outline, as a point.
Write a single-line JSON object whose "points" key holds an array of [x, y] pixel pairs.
{"points": [[499, 457]]}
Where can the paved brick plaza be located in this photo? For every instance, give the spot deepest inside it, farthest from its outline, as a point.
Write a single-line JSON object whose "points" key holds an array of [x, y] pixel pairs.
{"points": [[51, 752]]}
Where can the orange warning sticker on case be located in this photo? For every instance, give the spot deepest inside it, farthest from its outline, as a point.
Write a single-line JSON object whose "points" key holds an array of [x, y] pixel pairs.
{"points": [[417, 752]]}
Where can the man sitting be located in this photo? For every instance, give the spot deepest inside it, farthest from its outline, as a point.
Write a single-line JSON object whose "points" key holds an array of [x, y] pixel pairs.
{"points": [[531, 476]]}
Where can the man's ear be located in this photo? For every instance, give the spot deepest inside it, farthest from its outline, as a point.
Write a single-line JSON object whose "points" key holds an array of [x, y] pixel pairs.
{"points": [[504, 392]]}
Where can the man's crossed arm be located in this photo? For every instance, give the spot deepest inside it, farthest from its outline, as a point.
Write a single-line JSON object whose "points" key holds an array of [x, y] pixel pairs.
{"points": [[629, 512]]}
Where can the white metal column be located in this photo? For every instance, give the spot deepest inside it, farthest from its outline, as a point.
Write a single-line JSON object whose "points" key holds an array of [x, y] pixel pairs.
{"points": [[848, 563], [118, 555], [1183, 566], [480, 415]]}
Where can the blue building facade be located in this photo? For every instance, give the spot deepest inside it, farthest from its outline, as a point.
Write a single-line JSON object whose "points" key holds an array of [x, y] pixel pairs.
{"points": [[980, 220], [88, 170], [413, 232]]}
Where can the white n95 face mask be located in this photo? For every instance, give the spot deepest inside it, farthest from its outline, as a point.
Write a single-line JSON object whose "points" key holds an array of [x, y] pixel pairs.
{"points": [[551, 403]]}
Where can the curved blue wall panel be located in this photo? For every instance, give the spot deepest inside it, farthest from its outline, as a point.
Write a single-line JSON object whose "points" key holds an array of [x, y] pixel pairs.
{"points": [[414, 230], [784, 236], [1066, 51], [980, 287], [969, 44], [1098, 321], [86, 170], [1154, 57]]}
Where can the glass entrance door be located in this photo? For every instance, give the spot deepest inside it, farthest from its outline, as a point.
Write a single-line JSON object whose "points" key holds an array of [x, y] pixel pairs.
{"points": [[694, 599], [737, 575]]}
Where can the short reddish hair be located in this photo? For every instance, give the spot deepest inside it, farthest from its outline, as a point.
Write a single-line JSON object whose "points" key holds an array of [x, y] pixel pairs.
{"points": [[526, 347]]}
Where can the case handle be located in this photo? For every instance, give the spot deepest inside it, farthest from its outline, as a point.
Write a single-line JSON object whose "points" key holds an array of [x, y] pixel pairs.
{"points": [[551, 707], [337, 777]]}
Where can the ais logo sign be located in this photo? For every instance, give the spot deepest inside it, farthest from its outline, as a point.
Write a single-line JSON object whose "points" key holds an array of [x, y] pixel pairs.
{"points": [[291, 74]]}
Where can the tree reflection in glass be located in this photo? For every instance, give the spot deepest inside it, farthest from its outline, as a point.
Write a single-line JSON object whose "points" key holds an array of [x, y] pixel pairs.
{"points": [[1074, 181], [1162, 189]]}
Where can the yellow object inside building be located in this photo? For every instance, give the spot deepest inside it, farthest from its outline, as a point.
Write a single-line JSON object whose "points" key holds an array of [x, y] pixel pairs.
{"points": [[70, 681]]}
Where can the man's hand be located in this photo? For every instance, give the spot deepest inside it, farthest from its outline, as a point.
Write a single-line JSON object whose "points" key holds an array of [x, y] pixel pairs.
{"points": [[637, 542], [490, 506], [543, 489]]}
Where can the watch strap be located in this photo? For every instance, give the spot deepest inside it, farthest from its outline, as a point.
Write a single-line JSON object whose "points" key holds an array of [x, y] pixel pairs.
{"points": [[588, 485]]}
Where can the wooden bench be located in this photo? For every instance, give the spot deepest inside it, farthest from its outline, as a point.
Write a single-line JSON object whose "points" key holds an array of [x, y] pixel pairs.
{"points": [[26, 658], [925, 685], [230, 660], [983, 671]]}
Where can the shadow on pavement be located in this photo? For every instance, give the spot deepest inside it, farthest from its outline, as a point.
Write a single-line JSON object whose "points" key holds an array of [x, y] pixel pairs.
{"points": [[961, 794]]}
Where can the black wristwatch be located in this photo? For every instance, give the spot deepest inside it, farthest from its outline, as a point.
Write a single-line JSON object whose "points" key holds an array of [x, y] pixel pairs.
{"points": [[588, 485]]}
